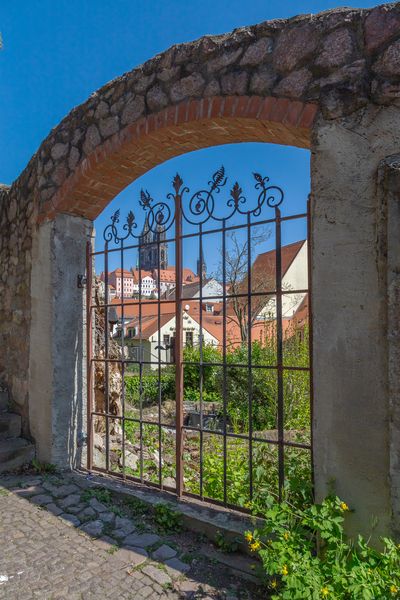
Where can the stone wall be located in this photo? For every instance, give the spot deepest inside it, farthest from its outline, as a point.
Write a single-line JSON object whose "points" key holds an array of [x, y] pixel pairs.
{"points": [[340, 60], [329, 82], [18, 214]]}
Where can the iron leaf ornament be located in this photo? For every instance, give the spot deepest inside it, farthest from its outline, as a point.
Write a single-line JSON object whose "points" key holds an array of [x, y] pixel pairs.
{"points": [[198, 209]]}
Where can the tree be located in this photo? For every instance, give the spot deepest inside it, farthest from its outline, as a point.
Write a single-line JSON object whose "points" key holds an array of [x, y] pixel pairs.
{"points": [[237, 281]]}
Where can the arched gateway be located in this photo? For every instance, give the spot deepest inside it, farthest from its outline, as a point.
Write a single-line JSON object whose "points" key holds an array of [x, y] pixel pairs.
{"points": [[328, 82]]}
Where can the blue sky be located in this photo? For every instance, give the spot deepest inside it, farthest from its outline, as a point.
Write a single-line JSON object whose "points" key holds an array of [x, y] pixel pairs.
{"points": [[57, 53]]}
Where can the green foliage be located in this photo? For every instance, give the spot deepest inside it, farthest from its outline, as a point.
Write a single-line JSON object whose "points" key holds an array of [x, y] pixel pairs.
{"points": [[167, 519], [150, 388], [264, 384], [101, 494], [264, 417], [342, 570], [191, 372], [43, 468], [192, 395], [264, 470], [226, 545], [136, 507]]}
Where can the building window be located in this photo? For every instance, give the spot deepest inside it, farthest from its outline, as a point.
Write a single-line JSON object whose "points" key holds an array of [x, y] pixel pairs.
{"points": [[189, 338], [166, 339]]}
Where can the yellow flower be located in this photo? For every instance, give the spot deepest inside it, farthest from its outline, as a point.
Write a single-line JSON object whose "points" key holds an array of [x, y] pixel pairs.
{"points": [[344, 506], [255, 546], [286, 535], [248, 536], [393, 589], [285, 570], [274, 584], [324, 592]]}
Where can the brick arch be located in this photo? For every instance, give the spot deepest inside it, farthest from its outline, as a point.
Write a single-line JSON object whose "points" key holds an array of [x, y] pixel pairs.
{"points": [[265, 82], [188, 126]]}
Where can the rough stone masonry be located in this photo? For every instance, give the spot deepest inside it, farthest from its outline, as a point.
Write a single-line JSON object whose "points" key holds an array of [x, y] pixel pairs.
{"points": [[329, 82]]}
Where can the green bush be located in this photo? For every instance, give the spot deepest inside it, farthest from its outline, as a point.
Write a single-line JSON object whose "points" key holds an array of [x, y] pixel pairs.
{"points": [[191, 372], [150, 388], [342, 570], [264, 385]]}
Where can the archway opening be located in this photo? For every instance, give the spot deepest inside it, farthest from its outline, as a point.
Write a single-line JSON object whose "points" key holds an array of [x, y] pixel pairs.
{"points": [[200, 357]]}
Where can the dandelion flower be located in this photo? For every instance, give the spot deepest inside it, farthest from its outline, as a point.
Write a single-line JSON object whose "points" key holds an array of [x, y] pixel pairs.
{"points": [[285, 570], [393, 589], [344, 506], [324, 592]]}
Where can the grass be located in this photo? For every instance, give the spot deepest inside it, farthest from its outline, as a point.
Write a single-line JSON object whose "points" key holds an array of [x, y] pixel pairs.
{"points": [[99, 493]]}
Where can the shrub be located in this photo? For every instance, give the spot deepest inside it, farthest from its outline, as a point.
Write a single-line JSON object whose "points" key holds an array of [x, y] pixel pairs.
{"points": [[150, 389], [210, 373], [342, 570]]}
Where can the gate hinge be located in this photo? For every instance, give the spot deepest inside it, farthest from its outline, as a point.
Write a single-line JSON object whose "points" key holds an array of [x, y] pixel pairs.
{"points": [[82, 281]]}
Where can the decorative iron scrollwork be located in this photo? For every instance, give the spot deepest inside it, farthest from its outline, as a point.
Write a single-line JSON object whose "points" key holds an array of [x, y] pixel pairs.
{"points": [[111, 232], [201, 206]]}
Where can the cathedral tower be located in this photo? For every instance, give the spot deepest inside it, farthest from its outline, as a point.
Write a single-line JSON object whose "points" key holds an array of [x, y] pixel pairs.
{"points": [[148, 250]]}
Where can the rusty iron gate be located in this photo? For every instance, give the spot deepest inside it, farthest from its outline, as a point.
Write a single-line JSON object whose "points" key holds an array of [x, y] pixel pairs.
{"points": [[151, 353]]}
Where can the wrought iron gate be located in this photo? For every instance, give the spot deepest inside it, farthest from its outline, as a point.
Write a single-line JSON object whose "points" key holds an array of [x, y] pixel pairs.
{"points": [[153, 353]]}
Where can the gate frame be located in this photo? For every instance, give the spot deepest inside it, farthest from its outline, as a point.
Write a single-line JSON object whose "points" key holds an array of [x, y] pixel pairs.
{"points": [[278, 292]]}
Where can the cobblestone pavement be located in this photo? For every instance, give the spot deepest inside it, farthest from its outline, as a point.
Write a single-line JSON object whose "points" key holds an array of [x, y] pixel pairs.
{"points": [[62, 541]]}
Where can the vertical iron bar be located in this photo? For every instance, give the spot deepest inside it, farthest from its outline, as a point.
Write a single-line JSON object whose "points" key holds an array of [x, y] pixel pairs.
{"points": [[310, 332], [279, 349], [201, 356], [140, 362], [178, 344], [159, 361], [249, 355], [123, 357], [89, 353], [106, 373], [224, 387]]}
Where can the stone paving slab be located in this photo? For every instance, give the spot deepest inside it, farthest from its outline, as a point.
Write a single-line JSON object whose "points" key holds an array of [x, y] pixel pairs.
{"points": [[42, 557], [60, 540]]}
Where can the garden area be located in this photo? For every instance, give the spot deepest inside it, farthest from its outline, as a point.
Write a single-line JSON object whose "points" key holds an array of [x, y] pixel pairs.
{"points": [[249, 461]]}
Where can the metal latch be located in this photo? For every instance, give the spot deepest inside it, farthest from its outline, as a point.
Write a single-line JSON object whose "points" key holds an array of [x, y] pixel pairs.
{"points": [[82, 281]]}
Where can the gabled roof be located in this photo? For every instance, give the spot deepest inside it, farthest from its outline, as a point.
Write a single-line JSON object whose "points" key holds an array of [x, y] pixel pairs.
{"points": [[187, 274], [265, 262], [150, 325], [143, 274], [166, 275], [191, 289], [120, 272]]}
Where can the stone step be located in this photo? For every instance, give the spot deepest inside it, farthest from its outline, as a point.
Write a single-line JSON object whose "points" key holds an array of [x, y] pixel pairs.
{"points": [[14, 453], [3, 400], [10, 425]]}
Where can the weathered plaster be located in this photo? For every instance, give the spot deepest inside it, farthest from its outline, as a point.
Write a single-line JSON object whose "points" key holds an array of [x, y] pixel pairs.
{"points": [[57, 381], [351, 416]]}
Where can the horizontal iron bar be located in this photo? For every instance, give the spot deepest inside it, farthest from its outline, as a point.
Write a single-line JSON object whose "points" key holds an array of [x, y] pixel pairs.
{"points": [[204, 364], [136, 302], [207, 232], [240, 436]]}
